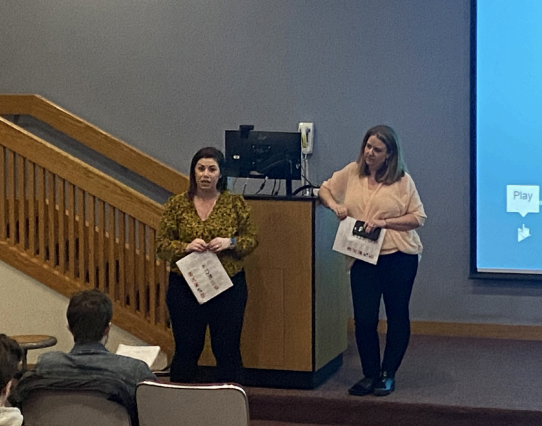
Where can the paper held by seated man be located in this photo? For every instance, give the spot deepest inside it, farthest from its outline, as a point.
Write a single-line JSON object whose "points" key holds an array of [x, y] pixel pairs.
{"points": [[147, 354], [205, 275], [346, 242]]}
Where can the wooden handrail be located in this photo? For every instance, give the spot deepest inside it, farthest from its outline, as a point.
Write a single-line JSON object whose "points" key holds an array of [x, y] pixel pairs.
{"points": [[96, 139], [79, 173], [16, 104], [73, 227]]}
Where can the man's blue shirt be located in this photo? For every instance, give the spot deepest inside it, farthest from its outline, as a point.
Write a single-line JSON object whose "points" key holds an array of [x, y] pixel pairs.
{"points": [[95, 361]]}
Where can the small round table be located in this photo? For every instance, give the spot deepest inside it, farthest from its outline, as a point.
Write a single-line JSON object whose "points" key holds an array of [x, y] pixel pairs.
{"points": [[33, 341]]}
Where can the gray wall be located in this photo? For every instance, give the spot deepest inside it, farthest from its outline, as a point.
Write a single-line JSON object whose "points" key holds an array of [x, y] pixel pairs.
{"points": [[170, 76]]}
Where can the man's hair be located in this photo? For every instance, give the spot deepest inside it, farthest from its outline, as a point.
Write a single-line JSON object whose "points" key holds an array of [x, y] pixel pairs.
{"points": [[89, 314], [10, 356]]}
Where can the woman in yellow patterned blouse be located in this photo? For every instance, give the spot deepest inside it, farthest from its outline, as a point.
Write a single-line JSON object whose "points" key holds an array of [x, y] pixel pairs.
{"points": [[206, 217]]}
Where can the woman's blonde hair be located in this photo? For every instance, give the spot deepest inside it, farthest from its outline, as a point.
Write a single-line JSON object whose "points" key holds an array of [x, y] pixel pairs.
{"points": [[394, 167]]}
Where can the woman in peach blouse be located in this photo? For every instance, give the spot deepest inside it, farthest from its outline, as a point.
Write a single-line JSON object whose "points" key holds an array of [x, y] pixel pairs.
{"points": [[378, 190]]}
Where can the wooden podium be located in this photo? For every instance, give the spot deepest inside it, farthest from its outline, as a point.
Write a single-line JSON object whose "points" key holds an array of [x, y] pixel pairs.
{"points": [[294, 332]]}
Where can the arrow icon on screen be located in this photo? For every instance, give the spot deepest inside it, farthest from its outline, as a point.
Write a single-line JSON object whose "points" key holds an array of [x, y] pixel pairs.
{"points": [[523, 233]]}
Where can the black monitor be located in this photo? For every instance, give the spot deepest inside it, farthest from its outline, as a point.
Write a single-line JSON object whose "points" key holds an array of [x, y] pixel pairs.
{"points": [[256, 154]]}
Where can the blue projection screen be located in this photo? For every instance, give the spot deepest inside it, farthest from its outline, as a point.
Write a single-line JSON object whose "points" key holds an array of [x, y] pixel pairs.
{"points": [[506, 112]]}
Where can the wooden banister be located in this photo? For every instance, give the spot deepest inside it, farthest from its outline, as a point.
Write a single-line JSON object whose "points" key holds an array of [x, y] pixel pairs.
{"points": [[79, 173], [96, 139], [16, 104], [73, 227]]}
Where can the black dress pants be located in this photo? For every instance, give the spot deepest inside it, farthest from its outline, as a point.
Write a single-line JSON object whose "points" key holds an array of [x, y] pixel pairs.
{"points": [[391, 278], [224, 316]]}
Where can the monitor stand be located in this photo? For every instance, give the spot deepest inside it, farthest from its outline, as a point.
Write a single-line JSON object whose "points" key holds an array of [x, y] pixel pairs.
{"points": [[288, 187]]}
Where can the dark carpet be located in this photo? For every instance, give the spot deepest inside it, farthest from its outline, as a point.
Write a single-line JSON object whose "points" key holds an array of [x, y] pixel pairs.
{"points": [[454, 381]]}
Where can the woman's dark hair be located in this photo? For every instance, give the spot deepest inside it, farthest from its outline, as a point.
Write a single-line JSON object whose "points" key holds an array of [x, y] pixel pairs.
{"points": [[207, 152], [394, 167], [89, 314], [10, 356]]}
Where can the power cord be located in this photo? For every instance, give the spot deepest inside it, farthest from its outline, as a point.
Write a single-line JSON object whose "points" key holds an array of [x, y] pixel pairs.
{"points": [[261, 186]]}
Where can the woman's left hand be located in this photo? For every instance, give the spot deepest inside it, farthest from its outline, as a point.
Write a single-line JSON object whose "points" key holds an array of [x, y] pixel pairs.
{"points": [[219, 244], [371, 225]]}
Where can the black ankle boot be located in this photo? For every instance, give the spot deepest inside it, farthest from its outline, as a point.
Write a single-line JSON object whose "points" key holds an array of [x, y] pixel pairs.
{"points": [[385, 385], [364, 387]]}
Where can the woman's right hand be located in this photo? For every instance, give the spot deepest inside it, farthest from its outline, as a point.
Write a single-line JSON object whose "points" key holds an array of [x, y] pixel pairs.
{"points": [[327, 199], [340, 210], [198, 245]]}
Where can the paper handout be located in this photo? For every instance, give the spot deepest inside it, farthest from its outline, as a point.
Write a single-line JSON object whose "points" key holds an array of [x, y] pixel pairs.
{"points": [[148, 354], [205, 275], [356, 246]]}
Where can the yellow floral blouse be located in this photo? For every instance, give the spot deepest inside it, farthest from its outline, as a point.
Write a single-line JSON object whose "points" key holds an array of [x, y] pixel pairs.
{"points": [[230, 218]]}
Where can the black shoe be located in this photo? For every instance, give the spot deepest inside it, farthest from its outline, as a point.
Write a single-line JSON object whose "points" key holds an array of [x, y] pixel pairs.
{"points": [[385, 385], [364, 387]]}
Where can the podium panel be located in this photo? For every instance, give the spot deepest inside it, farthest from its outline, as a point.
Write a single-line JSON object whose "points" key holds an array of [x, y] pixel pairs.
{"points": [[294, 331]]}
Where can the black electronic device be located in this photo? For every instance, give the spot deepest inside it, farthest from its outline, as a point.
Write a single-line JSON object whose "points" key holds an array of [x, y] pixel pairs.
{"points": [[261, 154], [359, 230]]}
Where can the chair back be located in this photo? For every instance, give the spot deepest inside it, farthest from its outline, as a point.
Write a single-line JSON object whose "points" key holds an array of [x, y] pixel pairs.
{"points": [[47, 407], [191, 405]]}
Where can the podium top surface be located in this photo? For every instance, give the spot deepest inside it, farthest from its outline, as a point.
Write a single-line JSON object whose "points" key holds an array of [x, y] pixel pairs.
{"points": [[281, 198]]}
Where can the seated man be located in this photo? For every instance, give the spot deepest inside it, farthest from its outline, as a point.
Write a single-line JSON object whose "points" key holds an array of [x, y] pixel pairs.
{"points": [[10, 356], [89, 363]]}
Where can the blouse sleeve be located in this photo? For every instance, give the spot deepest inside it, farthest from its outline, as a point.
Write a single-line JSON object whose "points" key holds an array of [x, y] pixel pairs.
{"points": [[415, 205], [169, 247], [338, 183], [245, 239]]}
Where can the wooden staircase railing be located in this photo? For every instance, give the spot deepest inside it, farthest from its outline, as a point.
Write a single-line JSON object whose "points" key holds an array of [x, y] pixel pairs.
{"points": [[96, 139], [72, 227]]}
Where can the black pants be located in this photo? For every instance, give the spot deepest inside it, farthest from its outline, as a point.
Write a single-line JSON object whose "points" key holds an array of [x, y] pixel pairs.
{"points": [[392, 278], [224, 315]]}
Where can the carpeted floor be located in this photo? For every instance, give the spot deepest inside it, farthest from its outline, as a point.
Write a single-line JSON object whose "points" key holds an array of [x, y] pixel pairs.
{"points": [[272, 423], [443, 380]]}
